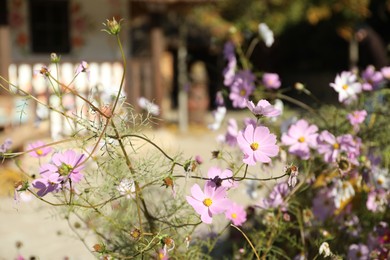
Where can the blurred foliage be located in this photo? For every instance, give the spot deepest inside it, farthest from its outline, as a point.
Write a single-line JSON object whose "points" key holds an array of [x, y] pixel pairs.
{"points": [[238, 21]]}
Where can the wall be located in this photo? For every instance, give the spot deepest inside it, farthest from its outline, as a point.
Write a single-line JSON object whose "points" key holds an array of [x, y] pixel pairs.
{"points": [[88, 41]]}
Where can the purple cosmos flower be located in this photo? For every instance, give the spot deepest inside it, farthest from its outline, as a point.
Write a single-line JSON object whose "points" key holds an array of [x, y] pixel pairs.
{"points": [[331, 147], [241, 88], [216, 174], [68, 165], [50, 180], [209, 202], [37, 150], [6, 145], [276, 198], [236, 214], [229, 71], [347, 86], [263, 108], [323, 204], [257, 144], [371, 78], [271, 80], [358, 252], [300, 138]]}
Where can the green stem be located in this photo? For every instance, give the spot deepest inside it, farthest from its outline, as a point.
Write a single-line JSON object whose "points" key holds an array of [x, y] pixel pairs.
{"points": [[248, 240]]}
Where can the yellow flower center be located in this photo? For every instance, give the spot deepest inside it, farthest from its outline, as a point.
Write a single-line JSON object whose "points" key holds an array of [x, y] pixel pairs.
{"points": [[234, 215], [345, 87], [380, 181], [301, 139], [242, 92], [39, 152], [207, 202], [336, 146], [254, 146]]}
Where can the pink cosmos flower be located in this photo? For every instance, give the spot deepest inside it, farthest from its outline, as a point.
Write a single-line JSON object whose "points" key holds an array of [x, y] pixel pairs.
{"points": [[241, 88], [301, 137], [371, 78], [331, 147], [67, 164], [386, 72], [209, 202], [38, 150], [271, 80], [347, 86], [236, 214], [216, 174], [263, 108], [257, 144], [356, 118], [83, 67]]}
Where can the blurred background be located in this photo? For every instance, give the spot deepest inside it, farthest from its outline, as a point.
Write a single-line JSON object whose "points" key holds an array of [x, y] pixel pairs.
{"points": [[174, 48]]}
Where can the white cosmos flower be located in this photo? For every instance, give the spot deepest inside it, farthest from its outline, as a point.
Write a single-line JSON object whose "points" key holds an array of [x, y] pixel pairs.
{"points": [[347, 86], [152, 108], [219, 115], [266, 34]]}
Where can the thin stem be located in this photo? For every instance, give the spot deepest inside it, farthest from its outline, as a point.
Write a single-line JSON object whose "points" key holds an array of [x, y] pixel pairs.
{"points": [[247, 239]]}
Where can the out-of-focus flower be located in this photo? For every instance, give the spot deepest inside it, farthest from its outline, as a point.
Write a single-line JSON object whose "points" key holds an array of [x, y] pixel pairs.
{"points": [[83, 67], [218, 115], [386, 72], [300, 138], [4, 147], [152, 108], [217, 174], [266, 34], [209, 202], [126, 188], [356, 118], [347, 86], [358, 252], [241, 88], [342, 192], [372, 79], [229, 71], [323, 204], [377, 200], [325, 249], [271, 80], [262, 108], [257, 144], [236, 214], [37, 150], [230, 137], [331, 147], [276, 198]]}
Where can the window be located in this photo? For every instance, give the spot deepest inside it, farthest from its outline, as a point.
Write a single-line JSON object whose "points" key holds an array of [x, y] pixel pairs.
{"points": [[49, 21]]}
